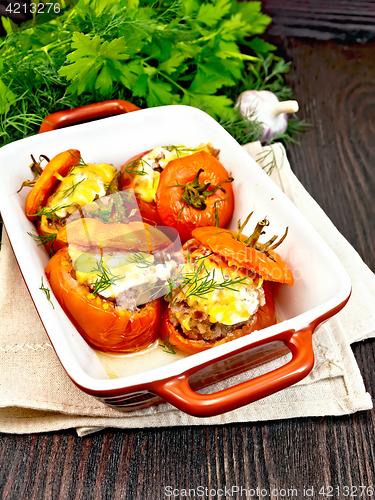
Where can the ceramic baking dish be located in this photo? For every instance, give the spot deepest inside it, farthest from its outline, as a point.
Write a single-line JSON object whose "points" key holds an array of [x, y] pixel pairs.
{"points": [[322, 286]]}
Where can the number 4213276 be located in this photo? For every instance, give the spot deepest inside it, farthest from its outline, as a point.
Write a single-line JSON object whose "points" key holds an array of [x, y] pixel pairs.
{"points": [[33, 8]]}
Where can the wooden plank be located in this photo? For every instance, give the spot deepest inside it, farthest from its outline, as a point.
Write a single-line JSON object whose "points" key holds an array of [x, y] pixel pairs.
{"points": [[336, 19], [335, 86]]}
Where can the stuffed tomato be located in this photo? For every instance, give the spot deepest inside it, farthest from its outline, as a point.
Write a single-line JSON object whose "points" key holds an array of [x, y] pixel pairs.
{"points": [[109, 278], [181, 187], [226, 292], [63, 186]]}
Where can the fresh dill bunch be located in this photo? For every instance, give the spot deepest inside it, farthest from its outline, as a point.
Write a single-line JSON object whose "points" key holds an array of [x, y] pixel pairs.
{"points": [[267, 73], [243, 128], [198, 53], [295, 127]]}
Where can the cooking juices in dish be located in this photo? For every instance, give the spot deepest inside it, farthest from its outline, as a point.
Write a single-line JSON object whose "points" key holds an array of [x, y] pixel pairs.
{"points": [[126, 284]]}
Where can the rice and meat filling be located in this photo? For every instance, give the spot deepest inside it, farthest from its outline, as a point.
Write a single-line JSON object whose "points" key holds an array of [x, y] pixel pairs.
{"points": [[216, 300], [127, 279]]}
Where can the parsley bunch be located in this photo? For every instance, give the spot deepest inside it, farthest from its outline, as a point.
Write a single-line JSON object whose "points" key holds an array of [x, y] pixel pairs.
{"points": [[192, 52]]}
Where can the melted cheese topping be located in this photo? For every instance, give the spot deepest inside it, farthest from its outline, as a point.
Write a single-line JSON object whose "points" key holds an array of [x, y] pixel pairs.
{"points": [[228, 306], [121, 271], [146, 184], [81, 186]]}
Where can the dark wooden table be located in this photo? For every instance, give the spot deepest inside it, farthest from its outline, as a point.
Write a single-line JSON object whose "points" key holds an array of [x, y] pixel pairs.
{"points": [[334, 83]]}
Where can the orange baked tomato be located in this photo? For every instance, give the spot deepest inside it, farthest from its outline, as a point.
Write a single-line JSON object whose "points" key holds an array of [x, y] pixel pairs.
{"points": [[224, 242], [56, 168], [231, 263], [194, 191], [64, 186], [128, 180], [36, 199], [132, 237], [100, 321]]}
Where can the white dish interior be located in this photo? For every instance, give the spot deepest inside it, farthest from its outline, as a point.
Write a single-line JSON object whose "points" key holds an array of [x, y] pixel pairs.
{"points": [[321, 282]]}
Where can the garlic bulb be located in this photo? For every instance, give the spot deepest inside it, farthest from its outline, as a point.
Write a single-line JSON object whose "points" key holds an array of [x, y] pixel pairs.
{"points": [[264, 106]]}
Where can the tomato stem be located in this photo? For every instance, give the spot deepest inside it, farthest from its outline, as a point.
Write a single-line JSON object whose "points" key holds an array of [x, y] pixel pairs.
{"points": [[258, 231], [196, 192], [252, 241], [241, 227]]}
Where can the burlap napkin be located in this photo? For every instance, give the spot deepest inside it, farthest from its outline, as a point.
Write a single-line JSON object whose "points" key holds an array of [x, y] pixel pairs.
{"points": [[37, 396]]}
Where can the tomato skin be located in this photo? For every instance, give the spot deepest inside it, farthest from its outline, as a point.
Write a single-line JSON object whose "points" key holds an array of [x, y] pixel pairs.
{"points": [[264, 317], [111, 329], [60, 164], [148, 210], [224, 243], [172, 208], [134, 236]]}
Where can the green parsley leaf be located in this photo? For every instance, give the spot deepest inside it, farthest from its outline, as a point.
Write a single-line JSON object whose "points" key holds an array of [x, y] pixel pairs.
{"points": [[197, 52], [210, 14], [95, 63], [159, 93]]}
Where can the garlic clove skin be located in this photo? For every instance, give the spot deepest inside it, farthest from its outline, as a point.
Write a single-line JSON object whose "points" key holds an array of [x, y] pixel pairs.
{"points": [[265, 107]]}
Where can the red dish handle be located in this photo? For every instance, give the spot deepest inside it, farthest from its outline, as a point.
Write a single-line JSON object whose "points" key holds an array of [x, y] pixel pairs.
{"points": [[177, 391], [86, 113]]}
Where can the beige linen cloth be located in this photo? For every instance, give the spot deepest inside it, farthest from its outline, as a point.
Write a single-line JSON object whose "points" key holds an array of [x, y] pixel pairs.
{"points": [[37, 396]]}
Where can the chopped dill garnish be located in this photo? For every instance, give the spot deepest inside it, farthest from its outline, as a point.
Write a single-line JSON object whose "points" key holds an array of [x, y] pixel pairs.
{"points": [[136, 167], [103, 212], [50, 212], [42, 239], [167, 347], [70, 190], [47, 292], [140, 259], [267, 155], [79, 159], [105, 277], [201, 282], [179, 150]]}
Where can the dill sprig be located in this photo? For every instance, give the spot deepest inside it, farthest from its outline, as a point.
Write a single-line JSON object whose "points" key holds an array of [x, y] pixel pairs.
{"points": [[71, 189], [268, 156], [80, 160], [295, 127], [201, 282], [140, 260], [151, 53], [179, 150], [166, 346], [47, 292], [136, 167], [50, 213], [44, 239], [243, 128], [120, 207], [103, 212], [105, 277]]}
